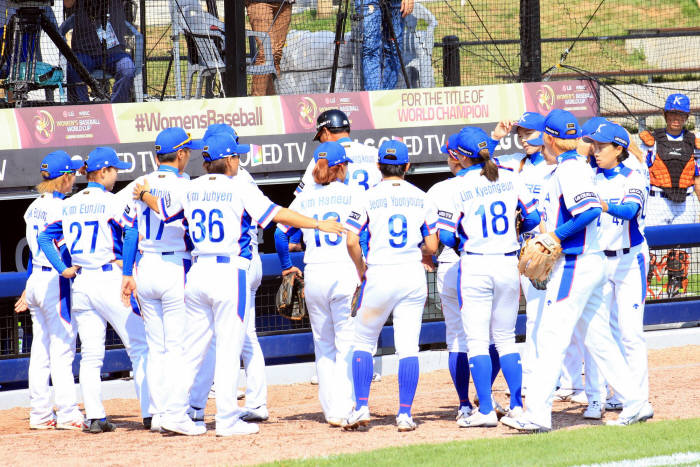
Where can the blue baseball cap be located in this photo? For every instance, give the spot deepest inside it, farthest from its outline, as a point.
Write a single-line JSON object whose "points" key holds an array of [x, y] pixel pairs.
{"points": [[58, 163], [611, 133], [531, 121], [471, 141], [218, 146], [592, 125], [677, 103], [450, 146], [333, 152], [222, 128], [562, 124], [102, 157], [393, 152], [172, 139], [536, 141]]}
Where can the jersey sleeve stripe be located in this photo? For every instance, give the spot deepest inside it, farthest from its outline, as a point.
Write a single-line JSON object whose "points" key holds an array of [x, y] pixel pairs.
{"points": [[354, 226], [269, 215], [446, 223], [584, 206], [283, 228], [632, 198], [527, 207]]}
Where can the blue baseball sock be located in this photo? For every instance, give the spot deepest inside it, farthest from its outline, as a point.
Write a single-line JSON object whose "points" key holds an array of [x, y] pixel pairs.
{"points": [[481, 372], [513, 372], [495, 363], [459, 370], [362, 368], [408, 381]]}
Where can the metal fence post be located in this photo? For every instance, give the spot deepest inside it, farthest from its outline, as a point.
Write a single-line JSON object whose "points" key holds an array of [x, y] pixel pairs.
{"points": [[235, 84], [530, 41], [450, 61]]}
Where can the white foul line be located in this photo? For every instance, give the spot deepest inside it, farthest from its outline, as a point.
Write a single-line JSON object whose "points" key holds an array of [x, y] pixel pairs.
{"points": [[679, 458]]}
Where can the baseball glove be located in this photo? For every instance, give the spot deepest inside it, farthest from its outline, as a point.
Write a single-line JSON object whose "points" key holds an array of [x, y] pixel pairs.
{"points": [[355, 304], [538, 256], [290, 297]]}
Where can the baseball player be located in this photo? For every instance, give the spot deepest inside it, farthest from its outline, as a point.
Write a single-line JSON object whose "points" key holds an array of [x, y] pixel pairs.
{"points": [[447, 287], [334, 125], [47, 296], [219, 209], [572, 208], [623, 192], [165, 255], [251, 353], [399, 218], [330, 278], [673, 155], [482, 206], [92, 222], [532, 168]]}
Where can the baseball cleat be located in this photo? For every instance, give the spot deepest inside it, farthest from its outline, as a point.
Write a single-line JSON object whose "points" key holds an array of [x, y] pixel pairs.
{"points": [[357, 418], [78, 425], [334, 421], [183, 427], [515, 412], [579, 398], [524, 425], [594, 411], [147, 422], [49, 424], [239, 428], [155, 423], [464, 412], [644, 414], [478, 419], [376, 377], [101, 426], [314, 380], [500, 411], [612, 404], [562, 394], [404, 422], [196, 415], [258, 414]]}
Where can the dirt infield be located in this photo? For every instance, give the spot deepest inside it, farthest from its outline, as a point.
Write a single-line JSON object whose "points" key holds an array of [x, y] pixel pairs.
{"points": [[296, 428]]}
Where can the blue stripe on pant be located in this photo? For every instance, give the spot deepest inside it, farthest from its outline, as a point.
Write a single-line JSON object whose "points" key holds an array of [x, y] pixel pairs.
{"points": [[242, 294], [643, 271], [567, 277]]}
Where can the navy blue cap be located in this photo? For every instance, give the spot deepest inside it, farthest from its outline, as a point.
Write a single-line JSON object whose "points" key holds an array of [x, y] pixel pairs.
{"points": [[611, 133], [677, 103], [218, 146], [531, 121], [102, 157], [172, 139], [562, 124], [471, 141], [592, 125], [58, 163], [333, 152], [393, 152], [222, 128]]}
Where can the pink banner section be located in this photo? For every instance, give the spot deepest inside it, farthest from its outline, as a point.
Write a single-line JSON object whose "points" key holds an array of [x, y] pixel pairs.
{"points": [[300, 111], [66, 126], [578, 97]]}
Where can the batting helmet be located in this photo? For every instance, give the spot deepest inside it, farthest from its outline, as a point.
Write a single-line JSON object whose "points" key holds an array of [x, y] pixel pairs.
{"points": [[333, 118]]}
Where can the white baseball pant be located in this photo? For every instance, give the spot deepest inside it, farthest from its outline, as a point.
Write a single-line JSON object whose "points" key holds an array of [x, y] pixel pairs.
{"points": [[574, 298], [534, 300], [160, 284], [328, 289], [53, 348], [384, 293], [96, 302], [252, 354], [447, 287]]}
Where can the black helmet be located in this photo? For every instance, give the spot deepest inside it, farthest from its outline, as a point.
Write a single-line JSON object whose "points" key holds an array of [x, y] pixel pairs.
{"points": [[333, 118]]}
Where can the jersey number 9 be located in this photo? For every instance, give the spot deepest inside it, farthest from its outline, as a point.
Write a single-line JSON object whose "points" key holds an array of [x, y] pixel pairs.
{"points": [[398, 229]]}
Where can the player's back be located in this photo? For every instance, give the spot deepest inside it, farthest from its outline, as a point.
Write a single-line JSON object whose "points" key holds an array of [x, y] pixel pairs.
{"points": [[43, 211], [362, 171], [332, 201], [437, 194], [396, 222], [154, 234], [92, 226], [488, 211]]}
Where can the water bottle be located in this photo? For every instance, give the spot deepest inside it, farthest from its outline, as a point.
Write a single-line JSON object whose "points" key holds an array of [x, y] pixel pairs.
{"points": [[20, 337]]}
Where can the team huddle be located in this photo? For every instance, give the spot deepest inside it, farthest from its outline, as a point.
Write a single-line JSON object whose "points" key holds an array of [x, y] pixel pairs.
{"points": [[172, 265]]}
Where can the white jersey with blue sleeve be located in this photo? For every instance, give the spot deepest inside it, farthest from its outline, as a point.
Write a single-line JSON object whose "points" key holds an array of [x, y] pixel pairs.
{"points": [[510, 161], [362, 171], [92, 222], [643, 173], [617, 186], [219, 211], [485, 211], [244, 175], [437, 194], [397, 215], [570, 190], [43, 211], [322, 202]]}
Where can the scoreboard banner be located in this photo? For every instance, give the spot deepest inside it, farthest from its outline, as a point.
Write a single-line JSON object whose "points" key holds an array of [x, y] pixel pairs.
{"points": [[281, 128]]}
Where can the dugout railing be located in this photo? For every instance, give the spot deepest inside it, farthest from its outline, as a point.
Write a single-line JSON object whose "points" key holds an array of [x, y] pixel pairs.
{"points": [[671, 302]]}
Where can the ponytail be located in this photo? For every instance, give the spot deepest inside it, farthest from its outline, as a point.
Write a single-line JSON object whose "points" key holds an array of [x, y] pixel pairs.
{"points": [[490, 170], [323, 175]]}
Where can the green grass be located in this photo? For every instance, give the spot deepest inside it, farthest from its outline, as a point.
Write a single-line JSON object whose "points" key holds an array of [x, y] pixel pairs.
{"points": [[560, 448]]}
